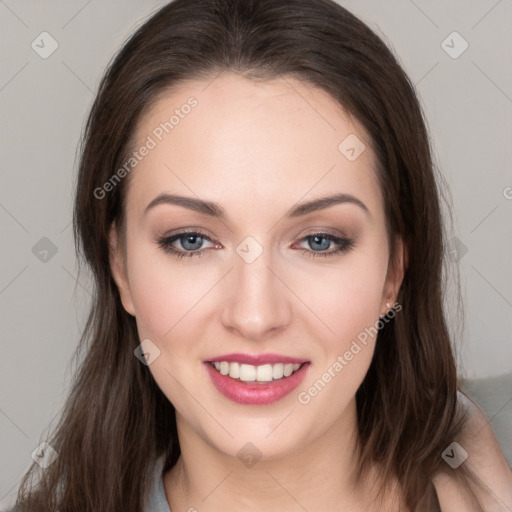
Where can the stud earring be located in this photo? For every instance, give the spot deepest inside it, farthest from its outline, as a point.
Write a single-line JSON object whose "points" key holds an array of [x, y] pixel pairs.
{"points": [[389, 306]]}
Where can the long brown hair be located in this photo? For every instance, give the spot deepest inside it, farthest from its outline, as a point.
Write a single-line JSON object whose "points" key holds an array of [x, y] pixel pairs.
{"points": [[116, 420]]}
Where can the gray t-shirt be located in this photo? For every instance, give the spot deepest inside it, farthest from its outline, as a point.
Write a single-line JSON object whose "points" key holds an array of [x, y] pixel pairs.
{"points": [[157, 499]]}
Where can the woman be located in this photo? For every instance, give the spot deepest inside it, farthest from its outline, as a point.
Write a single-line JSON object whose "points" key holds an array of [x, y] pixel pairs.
{"points": [[257, 202]]}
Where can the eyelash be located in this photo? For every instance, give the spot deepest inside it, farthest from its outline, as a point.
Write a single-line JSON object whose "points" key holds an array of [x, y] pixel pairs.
{"points": [[345, 245]]}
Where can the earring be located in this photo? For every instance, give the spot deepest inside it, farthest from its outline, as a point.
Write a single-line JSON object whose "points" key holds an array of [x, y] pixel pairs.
{"points": [[388, 305]]}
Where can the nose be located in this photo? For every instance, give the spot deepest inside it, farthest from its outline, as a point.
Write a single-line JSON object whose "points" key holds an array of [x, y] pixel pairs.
{"points": [[257, 301]]}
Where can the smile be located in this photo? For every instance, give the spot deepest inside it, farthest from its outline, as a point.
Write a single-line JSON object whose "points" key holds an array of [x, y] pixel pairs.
{"points": [[269, 379], [251, 373]]}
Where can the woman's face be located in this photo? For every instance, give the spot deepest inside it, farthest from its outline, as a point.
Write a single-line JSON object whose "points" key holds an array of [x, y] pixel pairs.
{"points": [[261, 282]]}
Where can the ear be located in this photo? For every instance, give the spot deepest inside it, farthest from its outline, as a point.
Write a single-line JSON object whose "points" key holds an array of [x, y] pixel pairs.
{"points": [[395, 275], [118, 269]]}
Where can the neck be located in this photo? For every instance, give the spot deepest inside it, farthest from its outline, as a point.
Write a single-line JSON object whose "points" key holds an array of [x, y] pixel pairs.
{"points": [[317, 476]]}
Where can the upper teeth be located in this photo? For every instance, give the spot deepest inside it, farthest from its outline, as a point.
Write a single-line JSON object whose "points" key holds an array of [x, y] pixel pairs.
{"points": [[250, 373]]}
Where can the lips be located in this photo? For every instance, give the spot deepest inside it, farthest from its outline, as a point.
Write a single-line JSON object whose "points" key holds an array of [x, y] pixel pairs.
{"points": [[252, 379]]}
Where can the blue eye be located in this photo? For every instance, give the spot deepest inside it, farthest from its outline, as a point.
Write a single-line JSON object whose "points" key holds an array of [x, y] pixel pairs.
{"points": [[323, 242], [186, 239], [191, 242]]}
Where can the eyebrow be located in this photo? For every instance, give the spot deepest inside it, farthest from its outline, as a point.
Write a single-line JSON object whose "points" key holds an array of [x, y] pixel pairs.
{"points": [[215, 210]]}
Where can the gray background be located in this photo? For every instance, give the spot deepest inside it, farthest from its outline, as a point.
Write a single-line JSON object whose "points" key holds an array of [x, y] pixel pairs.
{"points": [[44, 102]]}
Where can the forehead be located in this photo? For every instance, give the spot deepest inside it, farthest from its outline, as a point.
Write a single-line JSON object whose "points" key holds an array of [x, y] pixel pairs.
{"points": [[247, 143]]}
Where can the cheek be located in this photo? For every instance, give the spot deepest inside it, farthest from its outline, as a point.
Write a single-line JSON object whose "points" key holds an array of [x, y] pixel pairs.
{"points": [[162, 294], [348, 302], [168, 312], [155, 304], [351, 310], [346, 299]]}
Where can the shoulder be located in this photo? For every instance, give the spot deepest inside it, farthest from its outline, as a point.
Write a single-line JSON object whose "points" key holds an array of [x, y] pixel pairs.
{"points": [[485, 459]]}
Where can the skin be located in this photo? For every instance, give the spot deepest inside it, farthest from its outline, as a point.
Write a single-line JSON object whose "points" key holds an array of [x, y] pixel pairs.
{"points": [[257, 149]]}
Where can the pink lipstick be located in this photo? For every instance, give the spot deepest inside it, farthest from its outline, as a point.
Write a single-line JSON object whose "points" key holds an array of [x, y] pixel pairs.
{"points": [[252, 379]]}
